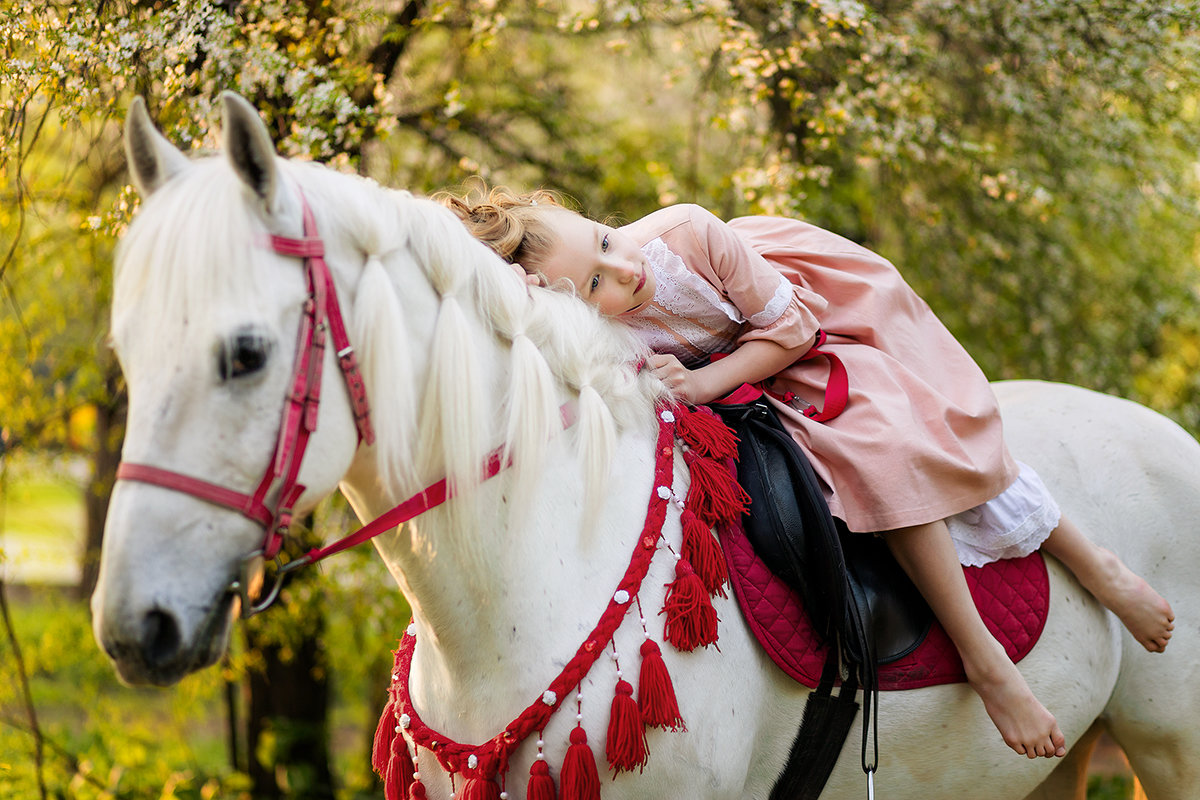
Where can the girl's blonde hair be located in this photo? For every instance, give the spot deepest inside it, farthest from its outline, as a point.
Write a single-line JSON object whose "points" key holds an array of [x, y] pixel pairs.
{"points": [[512, 224]]}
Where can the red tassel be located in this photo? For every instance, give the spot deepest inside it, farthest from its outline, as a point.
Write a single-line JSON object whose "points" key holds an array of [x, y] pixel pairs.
{"points": [[541, 785], [703, 552], [479, 789], [656, 693], [626, 744], [417, 791], [691, 618], [706, 434], [385, 732], [579, 779], [714, 494], [398, 778]]}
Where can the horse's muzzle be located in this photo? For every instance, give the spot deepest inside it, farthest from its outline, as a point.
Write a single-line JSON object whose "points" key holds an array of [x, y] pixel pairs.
{"points": [[155, 651]]}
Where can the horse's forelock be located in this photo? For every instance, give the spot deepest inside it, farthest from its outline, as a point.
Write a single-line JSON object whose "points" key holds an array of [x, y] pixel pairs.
{"points": [[176, 281]]}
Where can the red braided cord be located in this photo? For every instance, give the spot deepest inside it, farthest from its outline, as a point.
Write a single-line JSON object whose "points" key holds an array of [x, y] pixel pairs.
{"points": [[495, 752]]}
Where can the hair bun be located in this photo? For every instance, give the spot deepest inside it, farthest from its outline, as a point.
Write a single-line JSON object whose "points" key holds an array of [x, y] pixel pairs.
{"points": [[512, 224]]}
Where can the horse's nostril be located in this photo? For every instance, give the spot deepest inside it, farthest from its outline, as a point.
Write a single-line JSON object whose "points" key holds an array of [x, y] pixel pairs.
{"points": [[160, 638]]}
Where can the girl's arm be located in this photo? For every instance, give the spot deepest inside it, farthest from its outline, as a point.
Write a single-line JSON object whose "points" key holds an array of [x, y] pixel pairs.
{"points": [[753, 361]]}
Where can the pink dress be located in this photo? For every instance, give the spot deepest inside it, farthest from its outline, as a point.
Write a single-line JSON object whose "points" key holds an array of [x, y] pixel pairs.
{"points": [[920, 438]]}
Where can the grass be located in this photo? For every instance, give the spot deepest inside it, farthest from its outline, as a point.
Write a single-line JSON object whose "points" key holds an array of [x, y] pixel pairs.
{"points": [[45, 507], [41, 519]]}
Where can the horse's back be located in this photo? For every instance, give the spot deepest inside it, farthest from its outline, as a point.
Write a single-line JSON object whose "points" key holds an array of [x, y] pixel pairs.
{"points": [[1127, 475], [1130, 478]]}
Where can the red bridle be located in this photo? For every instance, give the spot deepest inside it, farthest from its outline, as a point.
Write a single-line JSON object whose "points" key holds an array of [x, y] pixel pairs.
{"points": [[322, 315], [271, 504]]}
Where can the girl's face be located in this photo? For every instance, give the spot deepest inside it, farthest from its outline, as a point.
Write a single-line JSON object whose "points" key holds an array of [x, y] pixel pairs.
{"points": [[605, 265]]}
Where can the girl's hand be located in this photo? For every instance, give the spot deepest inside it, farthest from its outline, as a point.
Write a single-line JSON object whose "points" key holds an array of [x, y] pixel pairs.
{"points": [[532, 278], [683, 382], [751, 362]]}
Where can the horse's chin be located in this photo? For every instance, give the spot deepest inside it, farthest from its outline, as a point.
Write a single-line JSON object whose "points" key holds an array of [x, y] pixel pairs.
{"points": [[136, 667]]}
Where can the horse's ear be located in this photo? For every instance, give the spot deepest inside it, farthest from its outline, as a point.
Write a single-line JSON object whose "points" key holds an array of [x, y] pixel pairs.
{"points": [[248, 146], [152, 159]]}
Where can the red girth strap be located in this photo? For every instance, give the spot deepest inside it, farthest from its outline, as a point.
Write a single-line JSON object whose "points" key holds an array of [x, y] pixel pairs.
{"points": [[837, 387]]}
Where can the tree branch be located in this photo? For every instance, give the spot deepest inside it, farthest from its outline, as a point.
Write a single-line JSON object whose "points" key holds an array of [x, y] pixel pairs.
{"points": [[386, 53], [23, 676]]}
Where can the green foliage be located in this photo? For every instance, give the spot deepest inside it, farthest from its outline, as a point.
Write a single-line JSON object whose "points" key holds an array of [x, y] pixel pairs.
{"points": [[408, 96], [54, 276], [1028, 166], [1109, 787], [103, 740]]}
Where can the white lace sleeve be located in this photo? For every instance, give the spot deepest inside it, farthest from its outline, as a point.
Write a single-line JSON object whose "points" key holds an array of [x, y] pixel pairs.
{"points": [[683, 292]]}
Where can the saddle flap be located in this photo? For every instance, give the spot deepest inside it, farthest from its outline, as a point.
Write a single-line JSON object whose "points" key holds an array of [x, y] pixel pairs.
{"points": [[851, 586]]}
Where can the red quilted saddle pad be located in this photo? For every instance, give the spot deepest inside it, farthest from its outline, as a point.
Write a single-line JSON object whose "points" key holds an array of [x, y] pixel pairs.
{"points": [[1013, 596]]}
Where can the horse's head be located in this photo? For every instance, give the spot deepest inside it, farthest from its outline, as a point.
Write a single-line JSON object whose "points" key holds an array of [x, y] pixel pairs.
{"points": [[207, 317], [213, 320]]}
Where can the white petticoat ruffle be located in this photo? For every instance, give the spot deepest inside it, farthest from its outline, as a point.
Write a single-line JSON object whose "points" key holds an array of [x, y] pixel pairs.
{"points": [[1011, 525]]}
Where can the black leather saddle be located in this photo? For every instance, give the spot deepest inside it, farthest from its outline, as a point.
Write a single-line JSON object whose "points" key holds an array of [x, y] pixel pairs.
{"points": [[840, 575]]}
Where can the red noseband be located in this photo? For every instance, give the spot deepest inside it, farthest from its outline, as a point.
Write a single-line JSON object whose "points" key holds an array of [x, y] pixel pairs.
{"points": [[271, 504]]}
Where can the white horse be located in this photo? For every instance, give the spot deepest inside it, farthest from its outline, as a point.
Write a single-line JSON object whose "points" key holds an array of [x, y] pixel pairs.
{"points": [[504, 581]]}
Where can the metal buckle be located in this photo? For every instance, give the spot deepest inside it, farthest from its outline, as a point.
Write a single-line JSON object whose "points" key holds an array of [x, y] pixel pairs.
{"points": [[247, 588]]}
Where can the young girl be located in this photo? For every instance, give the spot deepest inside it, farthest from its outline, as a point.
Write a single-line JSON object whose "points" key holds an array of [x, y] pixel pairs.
{"points": [[917, 453]]}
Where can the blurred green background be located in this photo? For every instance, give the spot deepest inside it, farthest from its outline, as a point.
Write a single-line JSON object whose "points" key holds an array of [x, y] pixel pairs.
{"points": [[1030, 167]]}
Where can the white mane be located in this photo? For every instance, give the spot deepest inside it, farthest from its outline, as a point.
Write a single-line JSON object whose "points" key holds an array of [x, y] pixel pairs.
{"points": [[190, 261]]}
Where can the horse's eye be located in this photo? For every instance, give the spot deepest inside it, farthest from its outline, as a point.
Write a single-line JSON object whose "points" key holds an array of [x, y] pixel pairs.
{"points": [[243, 354]]}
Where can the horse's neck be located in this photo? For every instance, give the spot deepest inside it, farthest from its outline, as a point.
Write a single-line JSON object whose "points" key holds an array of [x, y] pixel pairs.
{"points": [[501, 600], [489, 641]]}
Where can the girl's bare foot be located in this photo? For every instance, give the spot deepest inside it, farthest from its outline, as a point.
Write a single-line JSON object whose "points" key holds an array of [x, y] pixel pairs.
{"points": [[1141, 610], [1026, 725], [927, 555]]}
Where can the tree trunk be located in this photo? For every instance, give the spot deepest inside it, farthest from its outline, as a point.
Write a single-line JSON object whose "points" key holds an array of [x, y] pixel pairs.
{"points": [[287, 699], [110, 434]]}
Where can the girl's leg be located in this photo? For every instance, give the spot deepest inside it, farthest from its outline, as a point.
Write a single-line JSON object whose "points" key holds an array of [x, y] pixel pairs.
{"points": [[927, 554], [1141, 609]]}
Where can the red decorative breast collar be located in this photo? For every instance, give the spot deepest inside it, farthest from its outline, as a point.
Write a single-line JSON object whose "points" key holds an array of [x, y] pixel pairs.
{"points": [[713, 498]]}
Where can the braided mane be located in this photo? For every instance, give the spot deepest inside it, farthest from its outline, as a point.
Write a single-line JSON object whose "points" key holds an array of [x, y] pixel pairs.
{"points": [[559, 349], [553, 347]]}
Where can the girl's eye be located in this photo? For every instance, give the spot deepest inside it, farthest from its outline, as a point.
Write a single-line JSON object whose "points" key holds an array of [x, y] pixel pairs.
{"points": [[604, 244], [594, 283]]}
